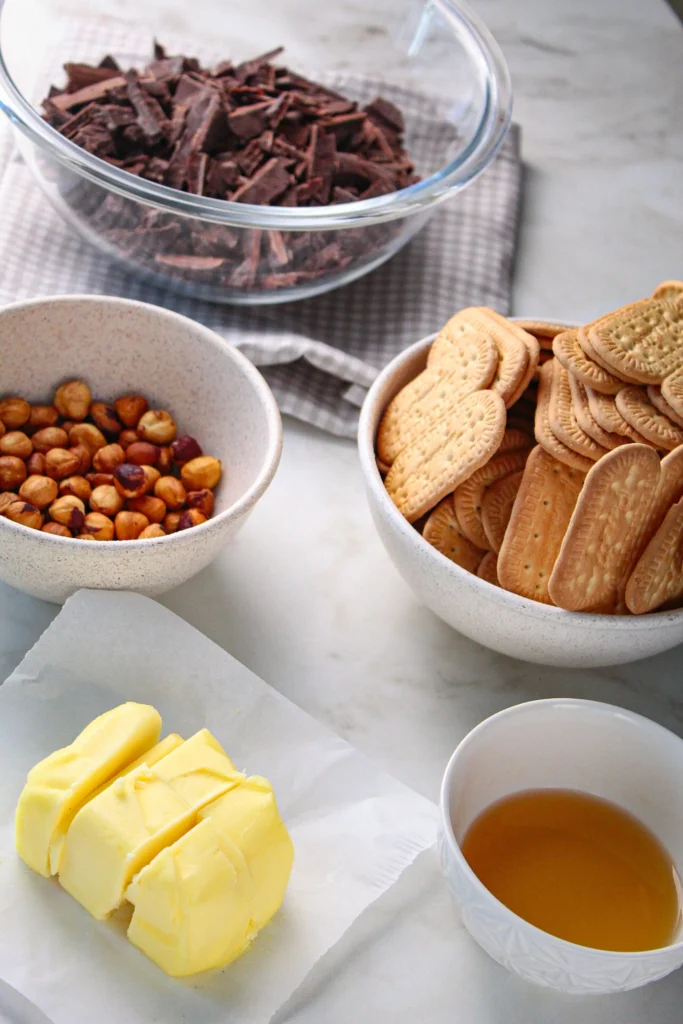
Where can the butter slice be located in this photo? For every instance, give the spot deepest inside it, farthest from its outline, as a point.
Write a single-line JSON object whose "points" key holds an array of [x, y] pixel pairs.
{"points": [[193, 904], [126, 825], [248, 816], [58, 785]]}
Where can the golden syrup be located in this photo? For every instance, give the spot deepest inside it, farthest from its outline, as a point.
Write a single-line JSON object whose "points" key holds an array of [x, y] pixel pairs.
{"points": [[578, 867]]}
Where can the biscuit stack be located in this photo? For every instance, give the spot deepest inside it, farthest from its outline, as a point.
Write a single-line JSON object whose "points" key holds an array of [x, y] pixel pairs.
{"points": [[550, 461]]}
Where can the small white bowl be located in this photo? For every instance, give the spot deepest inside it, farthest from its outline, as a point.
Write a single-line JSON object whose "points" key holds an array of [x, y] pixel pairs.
{"points": [[211, 389], [576, 744], [490, 615]]}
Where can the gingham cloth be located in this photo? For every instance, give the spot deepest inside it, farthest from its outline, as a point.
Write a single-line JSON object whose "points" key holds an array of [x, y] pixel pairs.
{"points": [[320, 355]]}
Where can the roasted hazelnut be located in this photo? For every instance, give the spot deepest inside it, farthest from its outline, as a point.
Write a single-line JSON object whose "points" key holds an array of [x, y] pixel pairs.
{"points": [[57, 529], [14, 412], [157, 426], [43, 416], [16, 442], [6, 499], [129, 525], [202, 472], [152, 474], [203, 500], [26, 514], [99, 479], [165, 461], [3, 429], [35, 464], [86, 536], [171, 521], [106, 459], [130, 408], [83, 457], [60, 463], [191, 517], [185, 448], [130, 481], [67, 425], [106, 419], [87, 434], [128, 437], [171, 492], [72, 400], [77, 485], [106, 499], [142, 453], [99, 526], [153, 530], [41, 491], [153, 508], [12, 472], [49, 437], [69, 511]]}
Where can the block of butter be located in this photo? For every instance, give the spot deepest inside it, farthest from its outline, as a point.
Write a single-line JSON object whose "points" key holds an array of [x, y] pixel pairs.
{"points": [[58, 785], [122, 829]]}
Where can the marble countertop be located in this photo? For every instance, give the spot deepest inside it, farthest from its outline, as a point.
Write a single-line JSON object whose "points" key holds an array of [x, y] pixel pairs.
{"points": [[307, 597]]}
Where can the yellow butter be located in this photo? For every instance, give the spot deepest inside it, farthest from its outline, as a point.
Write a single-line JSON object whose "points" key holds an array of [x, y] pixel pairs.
{"points": [[248, 816], [58, 785], [121, 829], [193, 904]]}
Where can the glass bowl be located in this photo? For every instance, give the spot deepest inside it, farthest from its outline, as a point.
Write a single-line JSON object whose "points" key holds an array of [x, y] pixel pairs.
{"points": [[436, 61]]}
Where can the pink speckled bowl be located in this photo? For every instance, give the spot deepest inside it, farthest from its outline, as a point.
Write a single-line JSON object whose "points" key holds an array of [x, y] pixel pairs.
{"points": [[213, 392]]}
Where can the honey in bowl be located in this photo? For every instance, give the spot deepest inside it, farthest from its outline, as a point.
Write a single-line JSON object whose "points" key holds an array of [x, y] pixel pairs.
{"points": [[578, 867]]}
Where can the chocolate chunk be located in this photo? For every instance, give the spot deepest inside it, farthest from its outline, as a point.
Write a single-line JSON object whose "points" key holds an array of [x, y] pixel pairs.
{"points": [[151, 117], [80, 76], [247, 122], [69, 100], [386, 110], [268, 183], [194, 264]]}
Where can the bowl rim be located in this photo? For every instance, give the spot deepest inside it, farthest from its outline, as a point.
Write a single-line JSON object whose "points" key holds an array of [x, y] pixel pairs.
{"points": [[515, 710], [489, 63], [268, 404], [367, 425]]}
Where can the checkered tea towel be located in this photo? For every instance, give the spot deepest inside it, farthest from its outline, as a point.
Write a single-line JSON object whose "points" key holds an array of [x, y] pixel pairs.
{"points": [[318, 355]]}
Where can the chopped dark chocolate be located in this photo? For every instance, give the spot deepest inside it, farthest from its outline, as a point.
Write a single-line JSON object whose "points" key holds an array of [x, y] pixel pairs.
{"points": [[267, 184]]}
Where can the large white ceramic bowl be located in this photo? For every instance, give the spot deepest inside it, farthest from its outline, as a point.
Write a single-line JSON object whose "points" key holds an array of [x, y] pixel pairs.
{"points": [[214, 393], [572, 744], [494, 617]]}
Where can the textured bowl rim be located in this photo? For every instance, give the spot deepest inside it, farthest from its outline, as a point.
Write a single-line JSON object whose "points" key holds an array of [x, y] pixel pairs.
{"points": [[367, 425], [516, 710], [268, 404], [487, 60]]}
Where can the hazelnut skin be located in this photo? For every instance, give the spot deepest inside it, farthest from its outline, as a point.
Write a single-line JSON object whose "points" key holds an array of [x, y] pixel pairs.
{"points": [[77, 485], [12, 472], [72, 400], [60, 463], [99, 479], [14, 412], [49, 437], [128, 437], [57, 529], [202, 472], [105, 418], [106, 499], [69, 511], [108, 458], [130, 481], [185, 448], [6, 499], [141, 453], [153, 508], [35, 464], [203, 500], [16, 442], [40, 491], [171, 492], [153, 530], [87, 434], [157, 426], [83, 456], [129, 525], [43, 416], [165, 461], [99, 526], [171, 522], [130, 408], [26, 514], [152, 474], [190, 517]]}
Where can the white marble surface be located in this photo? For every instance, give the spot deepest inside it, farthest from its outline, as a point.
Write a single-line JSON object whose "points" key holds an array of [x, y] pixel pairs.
{"points": [[308, 599]]}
